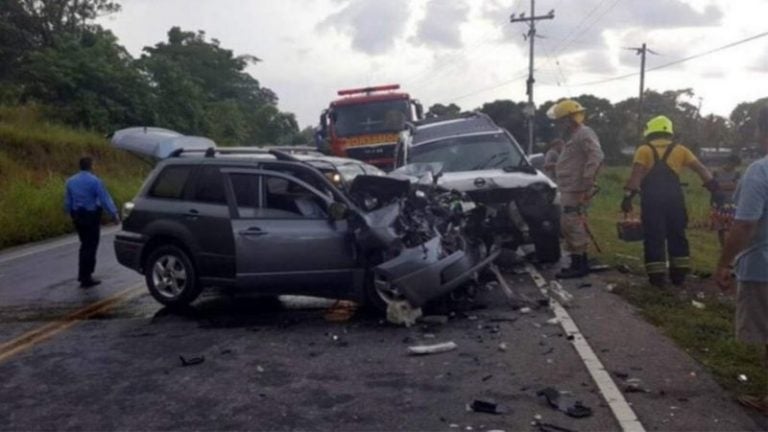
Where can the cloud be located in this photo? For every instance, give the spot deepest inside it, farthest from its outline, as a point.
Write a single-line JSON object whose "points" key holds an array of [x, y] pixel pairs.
{"points": [[373, 25], [441, 26], [579, 27], [596, 62], [761, 64]]}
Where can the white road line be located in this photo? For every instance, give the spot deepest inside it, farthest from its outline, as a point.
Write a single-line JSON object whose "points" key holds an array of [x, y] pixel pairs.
{"points": [[25, 251], [621, 410]]}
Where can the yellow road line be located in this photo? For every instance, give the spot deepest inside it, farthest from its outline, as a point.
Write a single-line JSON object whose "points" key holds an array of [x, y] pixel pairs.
{"points": [[34, 337]]}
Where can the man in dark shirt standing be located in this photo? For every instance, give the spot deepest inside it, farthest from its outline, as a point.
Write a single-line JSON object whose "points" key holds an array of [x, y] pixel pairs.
{"points": [[85, 197]]}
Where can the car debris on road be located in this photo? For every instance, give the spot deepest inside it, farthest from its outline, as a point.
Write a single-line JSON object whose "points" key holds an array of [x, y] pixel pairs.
{"points": [[432, 349]]}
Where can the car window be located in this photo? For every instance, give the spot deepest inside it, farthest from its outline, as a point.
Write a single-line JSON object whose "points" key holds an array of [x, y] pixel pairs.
{"points": [[469, 153], [246, 190], [170, 182], [209, 186], [292, 199]]}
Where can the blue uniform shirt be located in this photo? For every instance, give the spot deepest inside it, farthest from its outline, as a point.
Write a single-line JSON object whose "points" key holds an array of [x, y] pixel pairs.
{"points": [[84, 191], [752, 205]]}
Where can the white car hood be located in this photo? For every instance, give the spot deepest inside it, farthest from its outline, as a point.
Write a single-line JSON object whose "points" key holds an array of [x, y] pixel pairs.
{"points": [[491, 179]]}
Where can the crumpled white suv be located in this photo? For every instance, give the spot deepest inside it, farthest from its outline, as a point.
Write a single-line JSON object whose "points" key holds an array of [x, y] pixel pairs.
{"points": [[471, 154]]}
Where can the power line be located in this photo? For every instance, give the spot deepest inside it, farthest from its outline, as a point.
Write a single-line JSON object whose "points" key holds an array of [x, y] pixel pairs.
{"points": [[485, 89], [589, 26], [577, 26], [675, 62]]}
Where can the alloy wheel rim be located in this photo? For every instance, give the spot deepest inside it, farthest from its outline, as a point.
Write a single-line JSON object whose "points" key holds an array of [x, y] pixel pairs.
{"points": [[169, 276]]}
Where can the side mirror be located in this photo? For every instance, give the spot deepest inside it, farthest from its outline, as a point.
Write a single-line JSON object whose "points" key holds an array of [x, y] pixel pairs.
{"points": [[337, 211]]}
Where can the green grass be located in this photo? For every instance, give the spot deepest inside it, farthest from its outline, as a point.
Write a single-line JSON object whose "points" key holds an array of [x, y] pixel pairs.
{"points": [[36, 158], [706, 334]]}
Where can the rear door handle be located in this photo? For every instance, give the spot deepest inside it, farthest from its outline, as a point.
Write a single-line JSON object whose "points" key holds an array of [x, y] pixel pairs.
{"points": [[252, 232], [192, 214]]}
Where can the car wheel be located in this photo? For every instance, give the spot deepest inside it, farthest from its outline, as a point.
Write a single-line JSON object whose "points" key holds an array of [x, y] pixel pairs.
{"points": [[379, 294], [171, 277], [547, 247]]}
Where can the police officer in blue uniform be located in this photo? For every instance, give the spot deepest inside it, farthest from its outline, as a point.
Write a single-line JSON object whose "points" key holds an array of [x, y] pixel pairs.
{"points": [[85, 198]]}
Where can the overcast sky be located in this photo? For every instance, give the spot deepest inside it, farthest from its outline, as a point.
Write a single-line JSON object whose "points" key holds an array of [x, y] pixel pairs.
{"points": [[466, 51]]}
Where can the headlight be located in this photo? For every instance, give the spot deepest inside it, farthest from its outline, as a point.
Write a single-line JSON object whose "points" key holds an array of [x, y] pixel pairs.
{"points": [[127, 208]]}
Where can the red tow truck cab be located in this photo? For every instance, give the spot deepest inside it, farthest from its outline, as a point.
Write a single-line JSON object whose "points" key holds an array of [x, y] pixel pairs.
{"points": [[364, 123]]}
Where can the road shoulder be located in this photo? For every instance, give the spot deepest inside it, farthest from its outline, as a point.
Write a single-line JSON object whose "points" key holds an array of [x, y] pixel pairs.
{"points": [[671, 390]]}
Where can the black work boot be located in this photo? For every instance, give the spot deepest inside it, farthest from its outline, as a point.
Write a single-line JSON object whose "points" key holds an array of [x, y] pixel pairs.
{"points": [[656, 279], [579, 268], [677, 276]]}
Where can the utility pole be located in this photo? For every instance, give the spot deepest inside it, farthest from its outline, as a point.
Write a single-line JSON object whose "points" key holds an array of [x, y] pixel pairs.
{"points": [[531, 108], [641, 51]]}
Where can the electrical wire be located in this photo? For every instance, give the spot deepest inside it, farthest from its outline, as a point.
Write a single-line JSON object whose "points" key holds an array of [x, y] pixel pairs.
{"points": [[485, 89], [676, 62]]}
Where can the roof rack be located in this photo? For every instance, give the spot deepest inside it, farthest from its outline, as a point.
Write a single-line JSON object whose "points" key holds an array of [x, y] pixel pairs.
{"points": [[273, 150]]}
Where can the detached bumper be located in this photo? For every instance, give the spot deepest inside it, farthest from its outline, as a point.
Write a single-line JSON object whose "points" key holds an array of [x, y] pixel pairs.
{"points": [[128, 249], [421, 275]]}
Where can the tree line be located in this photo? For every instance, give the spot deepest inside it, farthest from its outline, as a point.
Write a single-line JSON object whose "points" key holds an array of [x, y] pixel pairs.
{"points": [[54, 55], [617, 124]]}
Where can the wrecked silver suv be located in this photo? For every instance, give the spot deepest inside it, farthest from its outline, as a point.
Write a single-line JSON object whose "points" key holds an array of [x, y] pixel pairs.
{"points": [[472, 155], [274, 221]]}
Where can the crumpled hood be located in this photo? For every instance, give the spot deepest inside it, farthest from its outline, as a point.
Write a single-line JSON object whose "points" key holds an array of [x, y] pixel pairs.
{"points": [[467, 181]]}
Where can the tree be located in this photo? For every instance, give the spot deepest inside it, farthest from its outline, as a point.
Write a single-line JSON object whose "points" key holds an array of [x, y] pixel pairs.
{"points": [[509, 115], [743, 121], [440, 110], [51, 18], [89, 80], [204, 89]]}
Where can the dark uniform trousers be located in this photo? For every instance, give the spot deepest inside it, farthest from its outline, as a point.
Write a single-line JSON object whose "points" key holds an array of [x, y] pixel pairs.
{"points": [[664, 220], [88, 226]]}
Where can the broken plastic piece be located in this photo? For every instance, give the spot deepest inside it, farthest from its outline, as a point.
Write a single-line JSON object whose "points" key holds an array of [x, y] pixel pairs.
{"points": [[579, 410], [525, 310], [432, 349], [548, 427], [552, 396], [742, 378], [488, 407], [503, 346], [191, 361], [402, 313], [698, 304]]}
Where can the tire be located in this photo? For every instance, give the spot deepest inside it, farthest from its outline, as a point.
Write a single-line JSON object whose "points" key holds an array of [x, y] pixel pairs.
{"points": [[171, 277], [547, 247]]}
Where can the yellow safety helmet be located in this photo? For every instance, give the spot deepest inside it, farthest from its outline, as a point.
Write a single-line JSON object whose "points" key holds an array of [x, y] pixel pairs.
{"points": [[659, 124], [564, 108]]}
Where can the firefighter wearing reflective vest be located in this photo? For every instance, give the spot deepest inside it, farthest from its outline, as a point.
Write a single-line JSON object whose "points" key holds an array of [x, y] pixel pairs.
{"points": [[656, 176], [575, 172]]}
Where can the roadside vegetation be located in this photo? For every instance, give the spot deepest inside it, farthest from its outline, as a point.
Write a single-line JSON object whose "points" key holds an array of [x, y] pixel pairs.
{"points": [[36, 157], [706, 334]]}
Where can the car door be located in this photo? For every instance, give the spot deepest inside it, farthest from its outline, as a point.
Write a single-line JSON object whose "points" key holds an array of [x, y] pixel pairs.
{"points": [[207, 216], [284, 239]]}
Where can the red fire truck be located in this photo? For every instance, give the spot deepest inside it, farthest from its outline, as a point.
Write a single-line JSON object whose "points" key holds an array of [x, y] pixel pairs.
{"points": [[364, 123]]}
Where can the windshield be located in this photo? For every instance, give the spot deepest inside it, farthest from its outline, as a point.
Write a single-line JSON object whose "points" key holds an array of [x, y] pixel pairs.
{"points": [[374, 117], [469, 153]]}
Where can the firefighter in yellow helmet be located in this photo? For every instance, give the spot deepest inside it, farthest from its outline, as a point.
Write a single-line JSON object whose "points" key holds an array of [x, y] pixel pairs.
{"points": [[656, 176], [575, 174]]}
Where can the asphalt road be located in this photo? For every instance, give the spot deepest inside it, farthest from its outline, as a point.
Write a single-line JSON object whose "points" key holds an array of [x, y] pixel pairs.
{"points": [[282, 366]]}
